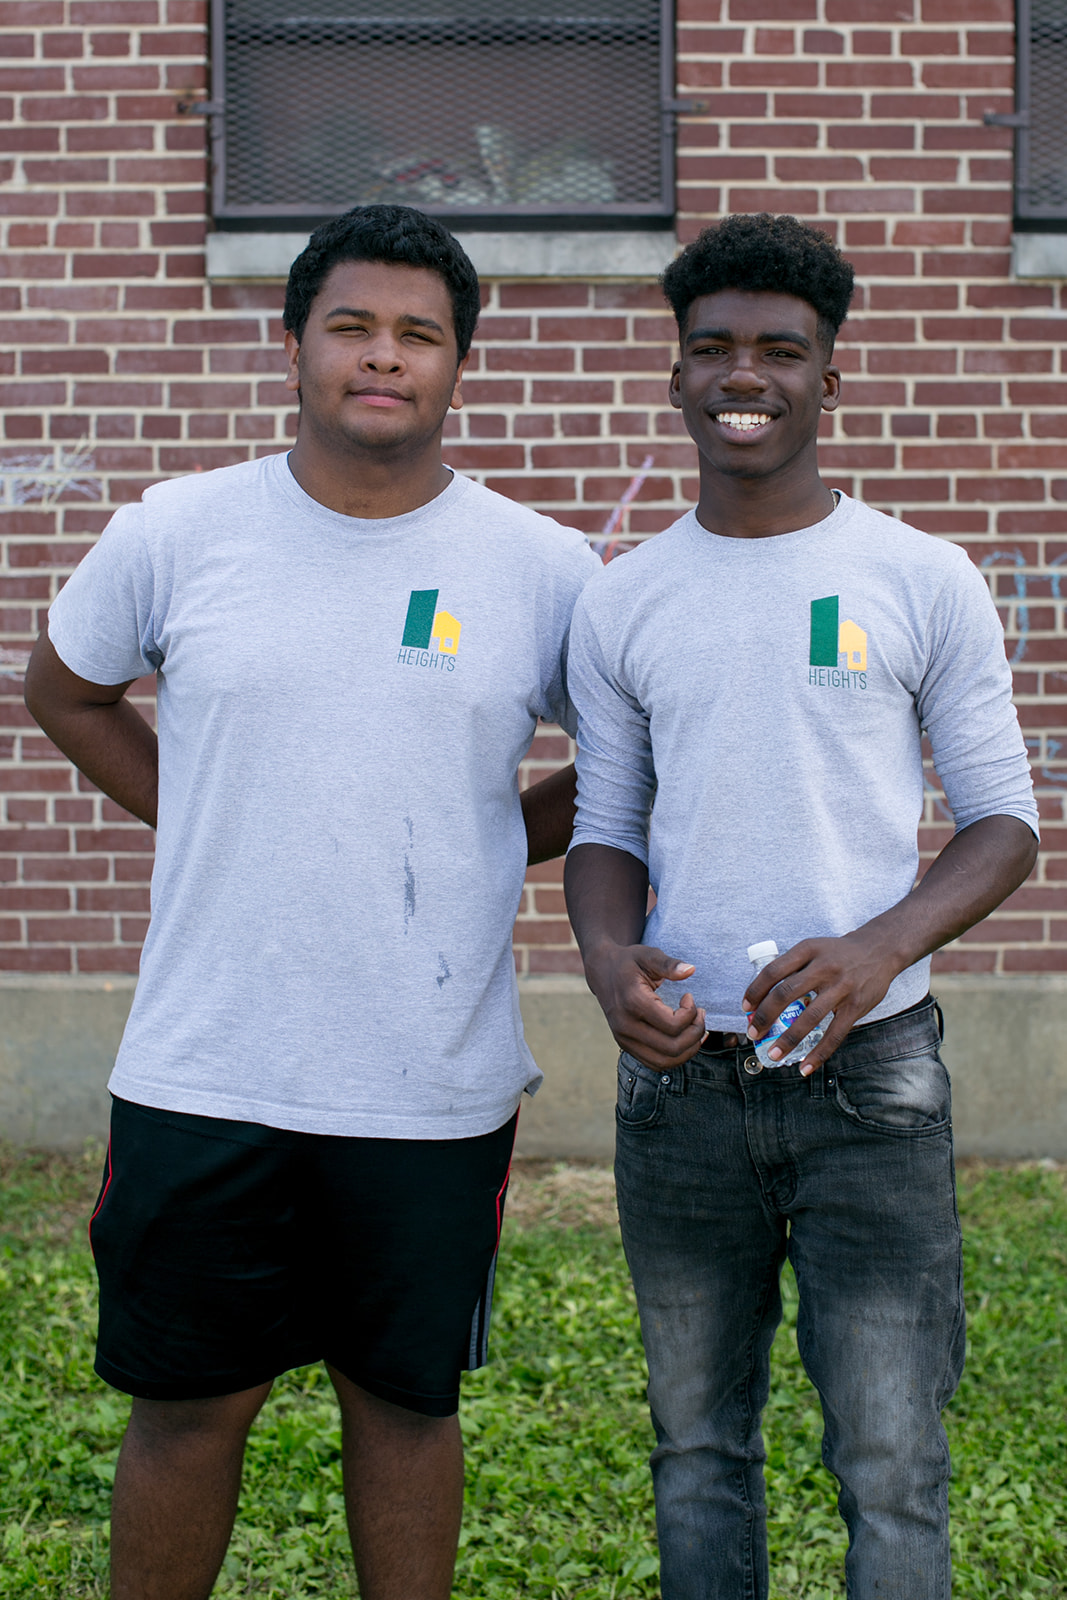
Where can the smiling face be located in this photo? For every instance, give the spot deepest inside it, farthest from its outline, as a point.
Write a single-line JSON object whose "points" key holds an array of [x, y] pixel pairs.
{"points": [[376, 367], [751, 382]]}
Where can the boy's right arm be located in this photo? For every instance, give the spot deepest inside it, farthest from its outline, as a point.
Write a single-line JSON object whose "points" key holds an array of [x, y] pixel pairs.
{"points": [[97, 729], [607, 898]]}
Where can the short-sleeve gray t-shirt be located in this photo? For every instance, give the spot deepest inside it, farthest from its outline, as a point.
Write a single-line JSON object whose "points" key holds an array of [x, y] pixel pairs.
{"points": [[343, 705]]}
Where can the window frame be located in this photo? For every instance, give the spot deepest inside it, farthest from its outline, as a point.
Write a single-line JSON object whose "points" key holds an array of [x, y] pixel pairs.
{"points": [[620, 215]]}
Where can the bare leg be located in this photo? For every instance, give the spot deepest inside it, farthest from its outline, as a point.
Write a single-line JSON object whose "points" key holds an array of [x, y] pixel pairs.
{"points": [[403, 1476], [176, 1488]]}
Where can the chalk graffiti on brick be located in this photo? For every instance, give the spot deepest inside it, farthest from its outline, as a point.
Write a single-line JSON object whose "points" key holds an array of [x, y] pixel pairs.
{"points": [[44, 477], [1041, 749]]}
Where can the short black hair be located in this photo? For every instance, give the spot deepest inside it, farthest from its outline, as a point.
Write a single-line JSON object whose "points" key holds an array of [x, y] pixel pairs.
{"points": [[393, 234], [763, 253]]}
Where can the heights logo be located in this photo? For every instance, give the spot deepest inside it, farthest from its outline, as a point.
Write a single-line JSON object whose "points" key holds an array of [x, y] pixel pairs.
{"points": [[424, 627], [837, 653]]}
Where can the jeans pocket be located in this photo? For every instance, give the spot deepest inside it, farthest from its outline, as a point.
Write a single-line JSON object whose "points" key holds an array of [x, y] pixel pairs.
{"points": [[910, 1094], [641, 1094]]}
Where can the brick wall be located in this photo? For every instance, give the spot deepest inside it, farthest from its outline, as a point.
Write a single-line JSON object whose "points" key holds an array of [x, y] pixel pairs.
{"points": [[122, 365]]}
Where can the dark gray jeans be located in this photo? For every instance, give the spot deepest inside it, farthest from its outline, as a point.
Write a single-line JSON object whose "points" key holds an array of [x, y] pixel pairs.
{"points": [[723, 1174]]}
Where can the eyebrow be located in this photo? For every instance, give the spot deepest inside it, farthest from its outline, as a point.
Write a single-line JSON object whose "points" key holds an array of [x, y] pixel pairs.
{"points": [[368, 316], [725, 336]]}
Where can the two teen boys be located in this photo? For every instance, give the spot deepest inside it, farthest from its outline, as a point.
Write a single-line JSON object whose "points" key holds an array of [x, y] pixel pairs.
{"points": [[358, 598]]}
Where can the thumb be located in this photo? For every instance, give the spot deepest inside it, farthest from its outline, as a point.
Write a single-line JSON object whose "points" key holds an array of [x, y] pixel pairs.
{"points": [[659, 965]]}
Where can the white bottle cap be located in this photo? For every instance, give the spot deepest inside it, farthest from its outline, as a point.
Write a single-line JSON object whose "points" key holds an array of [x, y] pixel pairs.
{"points": [[762, 951]]}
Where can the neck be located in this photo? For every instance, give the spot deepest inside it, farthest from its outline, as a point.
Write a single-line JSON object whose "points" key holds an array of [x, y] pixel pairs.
{"points": [[369, 484], [759, 508]]}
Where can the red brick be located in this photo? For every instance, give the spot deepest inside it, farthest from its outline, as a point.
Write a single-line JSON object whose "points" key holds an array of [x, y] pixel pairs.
{"points": [[773, 10], [109, 44], [188, 42], [959, 139], [719, 167], [1034, 960], [571, 392], [774, 134], [951, 458], [869, 75], [775, 41], [161, 169], [927, 42], [104, 958], [773, 74], [28, 80], [967, 201], [968, 75], [22, 44], [110, 203], [913, 169], [17, 264], [870, 199], [40, 140], [870, 11], [40, 960], [1007, 360], [121, 75], [818, 169], [535, 488], [967, 264], [123, 13], [1032, 457], [573, 457], [162, 297], [988, 490], [991, 44]]}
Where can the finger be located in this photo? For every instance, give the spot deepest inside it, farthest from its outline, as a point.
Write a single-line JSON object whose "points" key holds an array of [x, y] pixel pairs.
{"points": [[798, 986], [657, 1052], [661, 967], [832, 1039], [794, 1036]]}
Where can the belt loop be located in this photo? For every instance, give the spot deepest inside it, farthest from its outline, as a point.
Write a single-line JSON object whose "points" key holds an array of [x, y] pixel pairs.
{"points": [[818, 1083], [940, 1021]]}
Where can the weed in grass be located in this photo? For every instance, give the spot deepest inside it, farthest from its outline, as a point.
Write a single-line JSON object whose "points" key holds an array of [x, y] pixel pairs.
{"points": [[559, 1500]]}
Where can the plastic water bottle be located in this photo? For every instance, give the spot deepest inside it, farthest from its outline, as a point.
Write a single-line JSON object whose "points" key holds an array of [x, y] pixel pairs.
{"points": [[759, 955]]}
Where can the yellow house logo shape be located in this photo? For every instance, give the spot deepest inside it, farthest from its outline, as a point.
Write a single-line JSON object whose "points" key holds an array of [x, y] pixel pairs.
{"points": [[446, 630], [852, 643]]}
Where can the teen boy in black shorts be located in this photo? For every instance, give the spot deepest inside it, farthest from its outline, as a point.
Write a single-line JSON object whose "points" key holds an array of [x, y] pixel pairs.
{"points": [[316, 1093]]}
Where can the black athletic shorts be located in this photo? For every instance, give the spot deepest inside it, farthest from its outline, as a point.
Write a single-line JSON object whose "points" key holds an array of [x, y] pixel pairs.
{"points": [[229, 1252]]}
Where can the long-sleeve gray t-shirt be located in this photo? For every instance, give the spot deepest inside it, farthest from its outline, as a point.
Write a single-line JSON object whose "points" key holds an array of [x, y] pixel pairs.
{"points": [[343, 706], [750, 721]]}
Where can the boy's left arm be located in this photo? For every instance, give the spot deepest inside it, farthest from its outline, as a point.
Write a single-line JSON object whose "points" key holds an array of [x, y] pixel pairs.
{"points": [[979, 867]]}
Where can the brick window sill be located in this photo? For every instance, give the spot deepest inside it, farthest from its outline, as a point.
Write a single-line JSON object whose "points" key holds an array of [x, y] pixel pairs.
{"points": [[242, 256]]}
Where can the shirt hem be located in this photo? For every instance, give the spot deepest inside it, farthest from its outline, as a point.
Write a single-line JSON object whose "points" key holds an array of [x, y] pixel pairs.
{"points": [[361, 1123]]}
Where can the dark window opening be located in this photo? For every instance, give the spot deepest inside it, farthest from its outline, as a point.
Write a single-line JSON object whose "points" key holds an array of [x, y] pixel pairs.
{"points": [[1041, 118], [490, 113]]}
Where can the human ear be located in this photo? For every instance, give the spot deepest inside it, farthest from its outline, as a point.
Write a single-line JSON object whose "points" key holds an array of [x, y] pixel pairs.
{"points": [[831, 388], [292, 350]]}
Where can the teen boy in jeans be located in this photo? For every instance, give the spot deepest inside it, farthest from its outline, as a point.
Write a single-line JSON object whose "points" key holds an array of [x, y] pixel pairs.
{"points": [[752, 686]]}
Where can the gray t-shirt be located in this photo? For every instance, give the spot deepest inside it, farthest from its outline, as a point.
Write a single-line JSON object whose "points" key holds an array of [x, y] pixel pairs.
{"points": [[343, 706], [750, 718]]}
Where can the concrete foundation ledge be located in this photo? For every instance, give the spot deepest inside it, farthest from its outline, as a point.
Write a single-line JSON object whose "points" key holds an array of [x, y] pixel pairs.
{"points": [[1005, 1046]]}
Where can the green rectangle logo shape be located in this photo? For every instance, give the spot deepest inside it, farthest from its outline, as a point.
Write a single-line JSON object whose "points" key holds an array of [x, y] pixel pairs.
{"points": [[824, 632], [422, 608]]}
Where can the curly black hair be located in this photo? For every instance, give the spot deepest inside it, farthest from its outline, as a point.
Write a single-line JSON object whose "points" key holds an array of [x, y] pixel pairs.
{"points": [[394, 234], [762, 252]]}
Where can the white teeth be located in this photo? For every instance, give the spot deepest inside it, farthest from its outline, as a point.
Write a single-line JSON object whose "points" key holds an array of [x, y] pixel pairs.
{"points": [[744, 421]]}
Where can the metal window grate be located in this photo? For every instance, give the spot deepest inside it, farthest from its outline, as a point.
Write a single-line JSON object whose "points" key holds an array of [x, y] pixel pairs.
{"points": [[477, 110], [1041, 144]]}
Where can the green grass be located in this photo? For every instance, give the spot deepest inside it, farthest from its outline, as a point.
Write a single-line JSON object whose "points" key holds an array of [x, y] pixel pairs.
{"points": [[559, 1503]]}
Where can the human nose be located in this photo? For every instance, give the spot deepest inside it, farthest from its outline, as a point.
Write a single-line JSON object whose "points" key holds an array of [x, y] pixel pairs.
{"points": [[743, 376], [382, 354]]}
